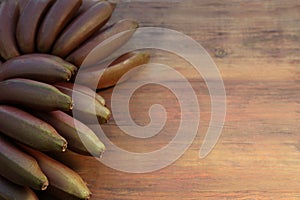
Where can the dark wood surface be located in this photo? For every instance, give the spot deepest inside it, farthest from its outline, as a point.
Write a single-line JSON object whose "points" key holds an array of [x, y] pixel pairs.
{"points": [[256, 46]]}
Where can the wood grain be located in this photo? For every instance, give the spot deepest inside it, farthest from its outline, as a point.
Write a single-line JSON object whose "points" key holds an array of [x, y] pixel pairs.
{"points": [[255, 45]]}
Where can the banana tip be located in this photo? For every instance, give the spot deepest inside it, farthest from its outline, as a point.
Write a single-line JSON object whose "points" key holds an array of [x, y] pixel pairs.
{"points": [[113, 4], [64, 147], [44, 186], [136, 24], [71, 105], [101, 154]]}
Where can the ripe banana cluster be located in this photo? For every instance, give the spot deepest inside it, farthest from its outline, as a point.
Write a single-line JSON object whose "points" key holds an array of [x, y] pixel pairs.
{"points": [[42, 45]]}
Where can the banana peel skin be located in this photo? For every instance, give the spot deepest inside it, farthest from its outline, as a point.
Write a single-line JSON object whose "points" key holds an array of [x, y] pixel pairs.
{"points": [[19, 167], [112, 74], [33, 94], [81, 28], [9, 13], [30, 130], [62, 179], [81, 139], [35, 67], [11, 191]]}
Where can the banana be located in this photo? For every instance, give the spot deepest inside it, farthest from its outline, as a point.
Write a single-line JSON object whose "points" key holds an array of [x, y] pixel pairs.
{"points": [[87, 109], [82, 27], [61, 12], [110, 76], [57, 60], [9, 13], [81, 139], [86, 4], [19, 167], [30, 130], [28, 23], [83, 89], [117, 34], [62, 180], [33, 94], [11, 191], [22, 4], [35, 67], [69, 158]]}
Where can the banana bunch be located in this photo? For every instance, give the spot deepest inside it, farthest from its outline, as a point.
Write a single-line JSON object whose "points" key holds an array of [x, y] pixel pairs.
{"points": [[43, 43]]}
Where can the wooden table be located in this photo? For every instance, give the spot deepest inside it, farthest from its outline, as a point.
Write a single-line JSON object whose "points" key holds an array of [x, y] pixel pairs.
{"points": [[256, 47]]}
